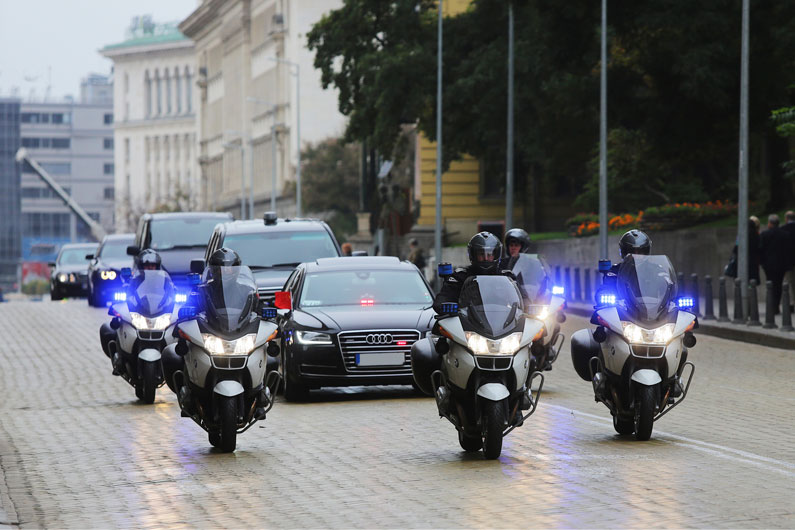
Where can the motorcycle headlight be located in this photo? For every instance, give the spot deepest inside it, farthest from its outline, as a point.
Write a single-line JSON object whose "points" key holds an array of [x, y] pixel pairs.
{"points": [[540, 312], [62, 277], [158, 323], [313, 337], [218, 346], [480, 345], [638, 335]]}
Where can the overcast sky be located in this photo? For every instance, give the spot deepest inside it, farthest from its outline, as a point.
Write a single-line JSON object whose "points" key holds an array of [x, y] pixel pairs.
{"points": [[64, 35]]}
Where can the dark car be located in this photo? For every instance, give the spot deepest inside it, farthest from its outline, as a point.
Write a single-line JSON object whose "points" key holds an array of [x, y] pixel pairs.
{"points": [[104, 269], [272, 247], [69, 275], [352, 322], [179, 238]]}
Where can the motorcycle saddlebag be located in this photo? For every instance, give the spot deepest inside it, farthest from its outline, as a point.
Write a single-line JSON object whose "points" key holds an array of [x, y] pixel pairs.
{"points": [[583, 348], [424, 361]]}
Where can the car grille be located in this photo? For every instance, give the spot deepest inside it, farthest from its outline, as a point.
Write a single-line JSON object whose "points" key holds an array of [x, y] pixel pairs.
{"points": [[148, 334], [639, 350], [353, 342], [268, 294]]}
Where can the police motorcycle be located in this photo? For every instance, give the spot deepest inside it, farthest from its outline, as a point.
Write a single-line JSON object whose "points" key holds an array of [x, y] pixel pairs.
{"points": [[143, 320], [229, 372], [477, 361], [545, 303], [636, 356]]}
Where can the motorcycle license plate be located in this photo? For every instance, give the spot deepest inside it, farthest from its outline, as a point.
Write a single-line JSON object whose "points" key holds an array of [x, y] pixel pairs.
{"points": [[380, 359]]}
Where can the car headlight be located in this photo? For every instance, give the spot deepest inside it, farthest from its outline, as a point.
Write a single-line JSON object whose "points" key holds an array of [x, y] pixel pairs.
{"points": [[638, 335], [158, 323], [218, 346], [480, 345], [62, 277], [107, 275], [313, 337]]}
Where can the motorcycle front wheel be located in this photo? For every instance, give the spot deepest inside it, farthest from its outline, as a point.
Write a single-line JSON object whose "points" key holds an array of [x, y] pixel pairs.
{"points": [[227, 414], [644, 413], [148, 382], [623, 426], [470, 444], [493, 418]]}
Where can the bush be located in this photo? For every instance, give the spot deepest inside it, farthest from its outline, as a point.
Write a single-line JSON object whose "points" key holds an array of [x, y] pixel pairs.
{"points": [[36, 287]]}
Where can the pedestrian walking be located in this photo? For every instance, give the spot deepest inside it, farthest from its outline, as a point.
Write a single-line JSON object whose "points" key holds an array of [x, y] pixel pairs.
{"points": [[753, 253], [416, 256], [789, 228], [775, 249]]}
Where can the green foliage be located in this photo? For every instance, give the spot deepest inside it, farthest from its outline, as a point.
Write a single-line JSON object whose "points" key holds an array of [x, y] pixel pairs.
{"points": [[36, 287], [330, 173], [784, 120]]}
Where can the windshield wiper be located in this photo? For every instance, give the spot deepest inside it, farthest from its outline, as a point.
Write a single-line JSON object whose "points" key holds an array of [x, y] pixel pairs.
{"points": [[297, 263]]}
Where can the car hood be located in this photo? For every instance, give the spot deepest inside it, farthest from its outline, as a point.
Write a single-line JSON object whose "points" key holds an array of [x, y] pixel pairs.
{"points": [[385, 316], [271, 278]]}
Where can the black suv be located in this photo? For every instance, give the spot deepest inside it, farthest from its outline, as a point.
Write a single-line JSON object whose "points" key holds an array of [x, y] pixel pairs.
{"points": [[69, 276], [273, 247], [177, 237]]}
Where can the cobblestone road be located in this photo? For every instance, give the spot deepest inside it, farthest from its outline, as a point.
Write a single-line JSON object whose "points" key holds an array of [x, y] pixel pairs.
{"points": [[78, 451]]}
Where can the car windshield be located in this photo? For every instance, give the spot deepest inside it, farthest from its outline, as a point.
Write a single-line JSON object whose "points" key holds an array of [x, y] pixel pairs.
{"points": [[646, 285], [365, 288], [115, 248], [229, 296], [533, 274], [189, 232], [75, 256], [151, 293], [266, 249], [490, 305]]}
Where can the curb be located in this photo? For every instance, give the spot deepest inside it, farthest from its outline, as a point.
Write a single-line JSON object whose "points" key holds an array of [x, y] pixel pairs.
{"points": [[739, 333]]}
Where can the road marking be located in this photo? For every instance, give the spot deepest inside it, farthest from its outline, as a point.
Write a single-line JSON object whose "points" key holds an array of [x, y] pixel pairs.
{"points": [[737, 455]]}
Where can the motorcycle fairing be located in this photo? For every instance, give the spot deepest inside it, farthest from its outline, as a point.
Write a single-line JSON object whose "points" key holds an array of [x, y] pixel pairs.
{"points": [[608, 317]]}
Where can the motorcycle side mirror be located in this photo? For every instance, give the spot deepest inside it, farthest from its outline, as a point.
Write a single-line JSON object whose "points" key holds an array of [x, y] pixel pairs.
{"points": [[89, 257], [197, 266], [51, 264], [115, 323], [126, 273], [133, 250]]}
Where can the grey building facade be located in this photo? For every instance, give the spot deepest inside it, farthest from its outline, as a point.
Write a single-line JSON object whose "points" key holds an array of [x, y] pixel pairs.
{"points": [[10, 228]]}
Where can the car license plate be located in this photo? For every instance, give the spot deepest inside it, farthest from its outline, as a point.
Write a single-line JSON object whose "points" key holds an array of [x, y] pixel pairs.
{"points": [[395, 358]]}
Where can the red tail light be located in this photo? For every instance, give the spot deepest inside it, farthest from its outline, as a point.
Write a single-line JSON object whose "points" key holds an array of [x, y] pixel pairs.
{"points": [[367, 301], [283, 300]]}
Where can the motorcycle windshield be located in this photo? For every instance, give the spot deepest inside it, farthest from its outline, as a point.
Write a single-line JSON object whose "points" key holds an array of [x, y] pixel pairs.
{"points": [[151, 293], [490, 305], [533, 274], [647, 285], [229, 296]]}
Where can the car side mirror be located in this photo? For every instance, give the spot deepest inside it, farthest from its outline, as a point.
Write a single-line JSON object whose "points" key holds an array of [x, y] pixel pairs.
{"points": [[283, 300], [51, 264], [133, 250], [126, 273], [89, 257], [197, 266]]}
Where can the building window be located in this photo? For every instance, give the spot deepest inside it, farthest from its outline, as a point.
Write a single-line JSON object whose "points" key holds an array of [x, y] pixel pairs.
{"points": [[107, 143], [159, 94], [108, 118], [168, 93], [126, 149], [188, 92], [61, 143], [178, 90], [126, 83], [29, 117], [109, 194], [45, 117], [148, 94], [32, 143], [146, 149], [57, 118], [57, 168], [166, 153], [107, 169]]}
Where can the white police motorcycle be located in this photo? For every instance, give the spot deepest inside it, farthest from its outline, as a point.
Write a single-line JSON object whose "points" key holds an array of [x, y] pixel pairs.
{"points": [[229, 374], [477, 361], [636, 356], [143, 320], [544, 302]]}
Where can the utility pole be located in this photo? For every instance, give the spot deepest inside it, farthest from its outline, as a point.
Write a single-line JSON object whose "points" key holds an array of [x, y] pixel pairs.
{"points": [[438, 232], [603, 252], [509, 161], [742, 202]]}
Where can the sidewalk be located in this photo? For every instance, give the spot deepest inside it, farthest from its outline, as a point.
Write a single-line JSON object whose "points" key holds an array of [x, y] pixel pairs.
{"points": [[774, 338]]}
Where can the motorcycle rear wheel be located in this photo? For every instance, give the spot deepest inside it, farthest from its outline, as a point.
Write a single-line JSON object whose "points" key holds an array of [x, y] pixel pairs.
{"points": [[644, 413], [148, 382], [493, 418], [470, 444], [227, 413]]}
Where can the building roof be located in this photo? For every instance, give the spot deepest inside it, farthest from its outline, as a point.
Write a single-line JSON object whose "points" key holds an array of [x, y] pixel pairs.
{"points": [[155, 34]]}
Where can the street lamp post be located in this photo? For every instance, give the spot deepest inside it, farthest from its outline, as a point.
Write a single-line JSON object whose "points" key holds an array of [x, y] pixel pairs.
{"points": [[742, 203], [298, 210], [509, 161], [603, 252], [438, 231]]}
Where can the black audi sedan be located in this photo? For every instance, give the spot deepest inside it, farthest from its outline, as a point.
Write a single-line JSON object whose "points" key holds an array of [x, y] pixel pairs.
{"points": [[351, 321], [69, 276], [104, 269]]}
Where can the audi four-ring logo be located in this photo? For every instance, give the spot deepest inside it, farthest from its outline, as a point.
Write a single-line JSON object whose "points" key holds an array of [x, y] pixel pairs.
{"points": [[379, 338]]}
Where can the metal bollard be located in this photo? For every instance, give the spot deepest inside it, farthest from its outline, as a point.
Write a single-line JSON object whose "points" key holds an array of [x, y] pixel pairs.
{"points": [[723, 303], [709, 305], [770, 308], [557, 275], [577, 285], [786, 314], [739, 318], [695, 294], [753, 305], [586, 296], [567, 284]]}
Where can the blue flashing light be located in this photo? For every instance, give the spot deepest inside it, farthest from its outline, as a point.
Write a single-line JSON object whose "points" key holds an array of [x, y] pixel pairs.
{"points": [[445, 269], [181, 298], [194, 279], [607, 299], [604, 265], [686, 302], [126, 273], [269, 312], [187, 312], [558, 290], [449, 308], [120, 297]]}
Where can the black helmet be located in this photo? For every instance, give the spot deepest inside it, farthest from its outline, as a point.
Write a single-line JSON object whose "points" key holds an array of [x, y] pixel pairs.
{"points": [[148, 259], [224, 257], [485, 251], [634, 242], [519, 236]]}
